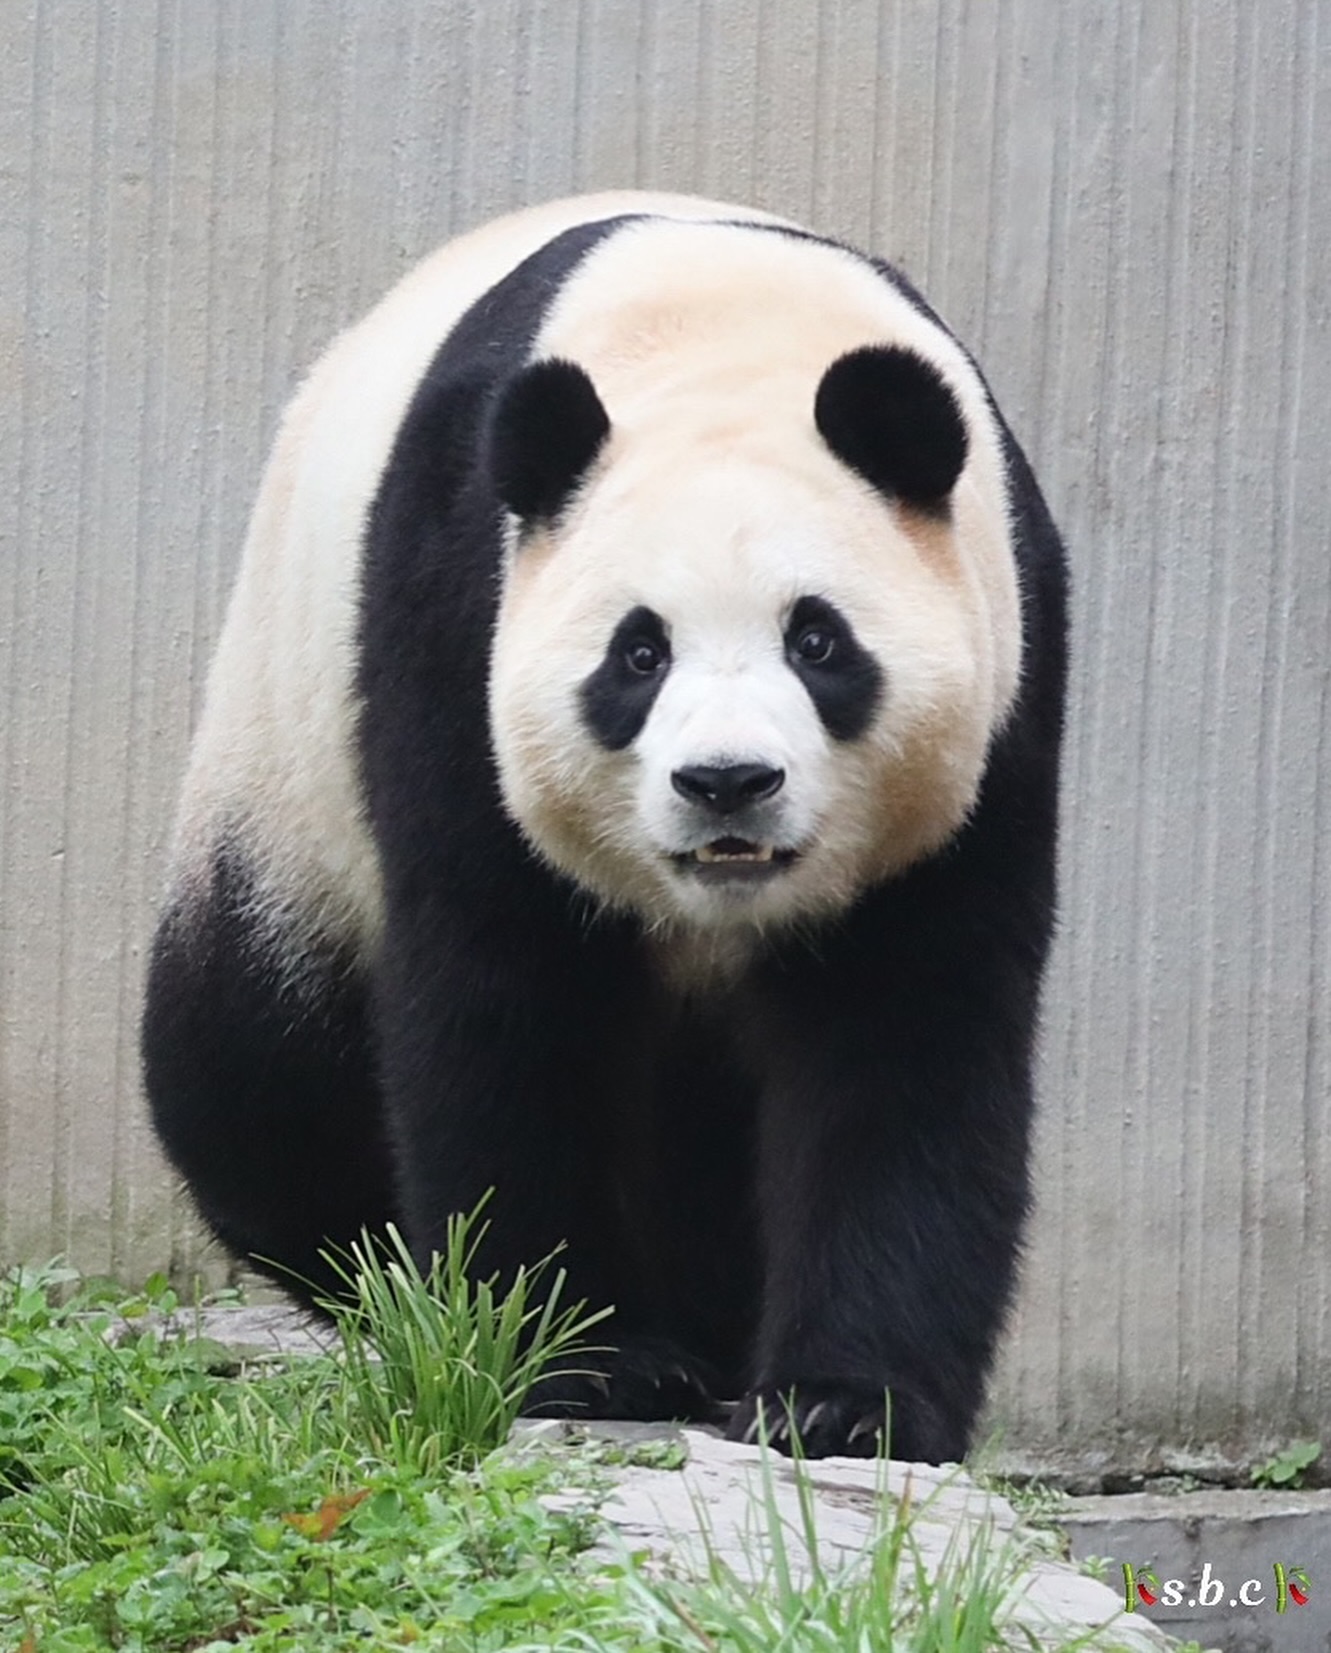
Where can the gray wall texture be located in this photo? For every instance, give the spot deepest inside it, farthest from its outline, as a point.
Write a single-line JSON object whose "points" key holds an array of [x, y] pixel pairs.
{"points": [[1122, 207]]}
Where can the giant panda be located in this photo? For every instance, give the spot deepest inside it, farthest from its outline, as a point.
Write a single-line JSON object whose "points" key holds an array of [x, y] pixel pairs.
{"points": [[627, 783]]}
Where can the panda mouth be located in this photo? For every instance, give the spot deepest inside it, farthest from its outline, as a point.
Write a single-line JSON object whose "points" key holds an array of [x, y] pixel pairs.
{"points": [[735, 858]]}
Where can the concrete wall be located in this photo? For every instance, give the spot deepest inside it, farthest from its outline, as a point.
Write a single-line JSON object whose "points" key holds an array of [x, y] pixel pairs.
{"points": [[1122, 207]]}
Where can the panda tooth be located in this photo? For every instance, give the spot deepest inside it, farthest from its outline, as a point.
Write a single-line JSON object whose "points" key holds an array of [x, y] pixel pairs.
{"points": [[709, 856]]}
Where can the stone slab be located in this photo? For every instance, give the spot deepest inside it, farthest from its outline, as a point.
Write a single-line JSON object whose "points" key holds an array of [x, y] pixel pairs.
{"points": [[1221, 1545], [713, 1508]]}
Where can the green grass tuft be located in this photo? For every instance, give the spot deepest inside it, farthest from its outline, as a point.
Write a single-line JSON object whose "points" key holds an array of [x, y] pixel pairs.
{"points": [[437, 1366]]}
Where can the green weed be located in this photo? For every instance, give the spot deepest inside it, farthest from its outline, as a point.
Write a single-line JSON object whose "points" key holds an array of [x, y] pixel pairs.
{"points": [[1289, 1466], [357, 1500]]}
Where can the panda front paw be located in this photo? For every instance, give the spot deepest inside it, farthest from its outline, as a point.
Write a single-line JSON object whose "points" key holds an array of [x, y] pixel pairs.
{"points": [[644, 1380], [826, 1420], [841, 1420]]}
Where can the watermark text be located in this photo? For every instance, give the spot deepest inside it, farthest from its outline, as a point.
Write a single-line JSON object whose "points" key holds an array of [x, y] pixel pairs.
{"points": [[1284, 1588]]}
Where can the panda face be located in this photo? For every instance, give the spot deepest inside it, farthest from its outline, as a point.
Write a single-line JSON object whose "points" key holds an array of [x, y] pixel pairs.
{"points": [[735, 712], [737, 705], [737, 701]]}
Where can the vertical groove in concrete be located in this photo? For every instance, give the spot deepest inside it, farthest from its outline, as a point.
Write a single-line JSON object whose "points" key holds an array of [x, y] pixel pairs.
{"points": [[1118, 207]]}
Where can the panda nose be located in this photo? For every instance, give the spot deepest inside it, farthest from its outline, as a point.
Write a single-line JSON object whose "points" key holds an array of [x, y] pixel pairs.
{"points": [[729, 787]]}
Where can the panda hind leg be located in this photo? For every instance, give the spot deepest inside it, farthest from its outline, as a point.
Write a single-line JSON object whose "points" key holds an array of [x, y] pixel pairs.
{"points": [[261, 1088]]}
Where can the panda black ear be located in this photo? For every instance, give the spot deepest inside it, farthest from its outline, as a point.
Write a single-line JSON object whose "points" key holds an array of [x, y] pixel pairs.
{"points": [[547, 427], [890, 416]]}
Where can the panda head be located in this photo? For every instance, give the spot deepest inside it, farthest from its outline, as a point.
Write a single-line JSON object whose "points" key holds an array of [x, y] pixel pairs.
{"points": [[743, 667]]}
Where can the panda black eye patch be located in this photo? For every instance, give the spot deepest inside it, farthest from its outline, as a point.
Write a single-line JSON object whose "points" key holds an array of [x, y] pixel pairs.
{"points": [[620, 693], [842, 678]]}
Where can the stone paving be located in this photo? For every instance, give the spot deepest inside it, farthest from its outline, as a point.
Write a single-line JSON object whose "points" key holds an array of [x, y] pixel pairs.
{"points": [[721, 1487]]}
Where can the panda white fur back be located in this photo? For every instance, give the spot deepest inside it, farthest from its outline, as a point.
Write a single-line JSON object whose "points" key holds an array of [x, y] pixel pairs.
{"points": [[627, 780]]}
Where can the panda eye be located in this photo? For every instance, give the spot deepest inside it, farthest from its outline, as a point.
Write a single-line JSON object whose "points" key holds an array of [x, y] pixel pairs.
{"points": [[814, 646], [644, 657]]}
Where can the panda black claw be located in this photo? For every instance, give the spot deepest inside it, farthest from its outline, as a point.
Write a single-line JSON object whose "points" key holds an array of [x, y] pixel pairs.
{"points": [[815, 1420], [643, 1381]]}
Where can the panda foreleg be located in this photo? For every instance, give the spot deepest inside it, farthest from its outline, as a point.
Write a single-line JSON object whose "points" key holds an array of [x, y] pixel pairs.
{"points": [[893, 1188], [495, 1073]]}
